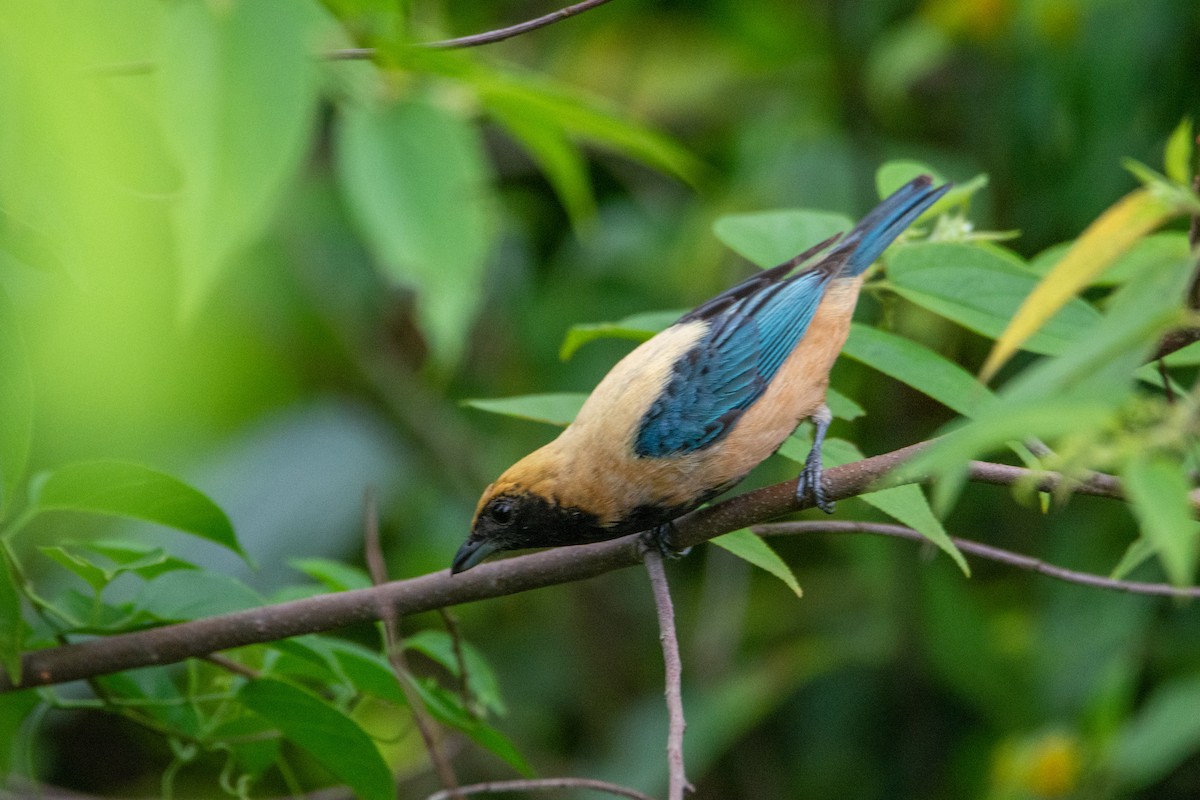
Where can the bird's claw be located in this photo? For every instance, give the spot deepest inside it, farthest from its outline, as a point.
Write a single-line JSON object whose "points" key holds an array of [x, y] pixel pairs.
{"points": [[811, 486], [660, 537]]}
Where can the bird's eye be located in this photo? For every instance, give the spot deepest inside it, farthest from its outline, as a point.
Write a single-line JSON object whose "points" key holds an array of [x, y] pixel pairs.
{"points": [[501, 511]]}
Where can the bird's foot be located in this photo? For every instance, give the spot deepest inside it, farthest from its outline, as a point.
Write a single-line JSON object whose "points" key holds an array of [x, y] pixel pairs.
{"points": [[811, 485], [660, 538]]}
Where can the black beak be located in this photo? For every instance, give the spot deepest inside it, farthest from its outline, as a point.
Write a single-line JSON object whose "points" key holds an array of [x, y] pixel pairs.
{"points": [[471, 553]]}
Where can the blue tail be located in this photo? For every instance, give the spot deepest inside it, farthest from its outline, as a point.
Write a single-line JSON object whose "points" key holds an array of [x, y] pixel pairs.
{"points": [[886, 221]]}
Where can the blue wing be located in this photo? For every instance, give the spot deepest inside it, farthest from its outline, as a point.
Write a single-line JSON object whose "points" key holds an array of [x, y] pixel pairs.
{"points": [[754, 326], [730, 367], [880, 227]]}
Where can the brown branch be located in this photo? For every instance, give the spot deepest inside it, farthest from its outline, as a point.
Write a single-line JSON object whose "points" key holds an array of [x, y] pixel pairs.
{"points": [[677, 781], [539, 784], [393, 644], [983, 551], [172, 643]]}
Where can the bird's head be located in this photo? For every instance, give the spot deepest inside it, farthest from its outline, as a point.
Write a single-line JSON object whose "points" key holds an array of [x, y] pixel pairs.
{"points": [[510, 518], [525, 508]]}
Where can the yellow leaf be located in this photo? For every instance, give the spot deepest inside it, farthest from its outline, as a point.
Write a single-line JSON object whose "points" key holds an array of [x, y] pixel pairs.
{"points": [[1177, 159], [1113, 233]]}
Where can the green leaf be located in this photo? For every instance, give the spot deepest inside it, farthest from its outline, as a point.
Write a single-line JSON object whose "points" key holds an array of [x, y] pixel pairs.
{"points": [[1140, 551], [981, 290], [142, 560], [366, 670], [1177, 158], [88, 615], [417, 181], [1185, 357], [906, 504], [553, 409], [564, 165], [239, 91], [1165, 732], [638, 327], [1179, 198], [1102, 364], [752, 548], [917, 366], [1158, 489], [446, 707], [251, 741], [1156, 251], [948, 454], [894, 174], [334, 740], [12, 624], [153, 685], [128, 490], [335, 575], [768, 238], [16, 404], [842, 406], [192, 594], [589, 118], [15, 708], [125, 557], [1112, 233], [481, 679], [95, 577], [303, 659]]}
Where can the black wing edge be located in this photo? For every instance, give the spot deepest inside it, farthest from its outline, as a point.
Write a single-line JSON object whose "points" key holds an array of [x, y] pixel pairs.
{"points": [[754, 283]]}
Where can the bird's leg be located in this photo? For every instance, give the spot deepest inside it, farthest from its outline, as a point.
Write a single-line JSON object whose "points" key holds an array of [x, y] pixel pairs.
{"points": [[660, 536], [810, 483]]}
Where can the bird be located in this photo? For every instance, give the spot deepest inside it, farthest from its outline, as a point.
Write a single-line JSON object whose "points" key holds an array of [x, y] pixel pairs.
{"points": [[690, 412]]}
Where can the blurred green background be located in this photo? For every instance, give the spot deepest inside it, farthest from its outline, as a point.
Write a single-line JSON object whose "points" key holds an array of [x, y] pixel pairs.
{"points": [[235, 291]]}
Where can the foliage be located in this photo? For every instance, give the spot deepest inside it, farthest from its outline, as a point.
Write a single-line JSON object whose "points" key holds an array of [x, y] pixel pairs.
{"points": [[242, 279]]}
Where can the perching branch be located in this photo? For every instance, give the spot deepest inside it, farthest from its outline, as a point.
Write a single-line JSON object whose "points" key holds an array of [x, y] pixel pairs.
{"points": [[173, 643], [539, 784], [677, 781], [981, 550]]}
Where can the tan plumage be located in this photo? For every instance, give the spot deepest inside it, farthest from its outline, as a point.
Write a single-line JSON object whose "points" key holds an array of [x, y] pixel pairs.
{"points": [[592, 465], [690, 412]]}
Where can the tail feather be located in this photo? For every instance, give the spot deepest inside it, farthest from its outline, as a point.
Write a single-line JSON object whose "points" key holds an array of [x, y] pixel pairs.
{"points": [[884, 223]]}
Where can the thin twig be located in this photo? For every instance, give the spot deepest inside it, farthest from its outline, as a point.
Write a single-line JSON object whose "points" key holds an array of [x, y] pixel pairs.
{"points": [[677, 781], [1165, 377], [539, 784], [477, 39], [982, 551], [173, 643], [460, 659], [229, 665], [394, 644], [367, 53]]}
